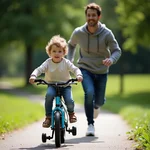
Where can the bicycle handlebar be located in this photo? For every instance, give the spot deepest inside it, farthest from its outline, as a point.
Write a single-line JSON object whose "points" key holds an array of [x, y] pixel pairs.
{"points": [[41, 81]]}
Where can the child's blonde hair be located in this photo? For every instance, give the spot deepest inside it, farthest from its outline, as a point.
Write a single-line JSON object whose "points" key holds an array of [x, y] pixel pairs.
{"points": [[59, 42]]}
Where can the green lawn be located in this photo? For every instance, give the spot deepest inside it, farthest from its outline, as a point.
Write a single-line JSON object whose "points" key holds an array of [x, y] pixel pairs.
{"points": [[136, 92], [16, 112], [133, 104]]}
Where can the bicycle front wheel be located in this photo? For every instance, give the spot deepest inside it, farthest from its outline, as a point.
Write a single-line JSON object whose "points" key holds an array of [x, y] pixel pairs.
{"points": [[57, 129]]}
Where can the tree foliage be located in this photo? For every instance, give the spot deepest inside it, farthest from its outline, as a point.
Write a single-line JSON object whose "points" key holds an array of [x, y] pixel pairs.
{"points": [[109, 16], [36, 20], [134, 18], [33, 23]]}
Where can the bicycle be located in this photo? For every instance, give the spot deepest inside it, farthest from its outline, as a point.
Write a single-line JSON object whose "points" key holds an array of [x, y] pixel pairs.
{"points": [[59, 117]]}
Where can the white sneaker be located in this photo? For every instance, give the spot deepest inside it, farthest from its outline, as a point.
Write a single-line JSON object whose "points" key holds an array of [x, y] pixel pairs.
{"points": [[96, 112], [90, 130]]}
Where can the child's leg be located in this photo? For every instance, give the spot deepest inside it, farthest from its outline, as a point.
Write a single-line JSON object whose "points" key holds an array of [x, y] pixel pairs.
{"points": [[51, 92], [68, 98]]}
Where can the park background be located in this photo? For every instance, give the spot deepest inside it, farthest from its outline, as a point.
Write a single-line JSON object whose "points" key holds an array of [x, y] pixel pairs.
{"points": [[27, 26]]}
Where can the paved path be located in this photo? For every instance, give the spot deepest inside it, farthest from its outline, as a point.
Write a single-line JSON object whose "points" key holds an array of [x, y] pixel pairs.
{"points": [[110, 133]]}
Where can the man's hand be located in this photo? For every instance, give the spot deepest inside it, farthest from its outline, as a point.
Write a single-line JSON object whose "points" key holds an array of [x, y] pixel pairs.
{"points": [[107, 62]]}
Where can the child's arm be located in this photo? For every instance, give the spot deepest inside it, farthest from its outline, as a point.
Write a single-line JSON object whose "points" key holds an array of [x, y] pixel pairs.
{"points": [[38, 71]]}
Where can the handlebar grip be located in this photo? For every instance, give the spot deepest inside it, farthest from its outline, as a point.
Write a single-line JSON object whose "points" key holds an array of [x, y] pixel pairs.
{"points": [[74, 80], [38, 80]]}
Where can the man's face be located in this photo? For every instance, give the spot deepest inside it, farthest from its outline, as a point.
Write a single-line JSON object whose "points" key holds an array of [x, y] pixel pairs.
{"points": [[92, 18]]}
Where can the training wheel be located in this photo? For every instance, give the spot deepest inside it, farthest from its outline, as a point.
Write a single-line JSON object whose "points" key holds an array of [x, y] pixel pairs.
{"points": [[44, 138], [74, 131]]}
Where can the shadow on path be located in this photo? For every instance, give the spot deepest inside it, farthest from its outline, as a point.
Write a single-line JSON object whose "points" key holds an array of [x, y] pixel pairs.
{"points": [[68, 143]]}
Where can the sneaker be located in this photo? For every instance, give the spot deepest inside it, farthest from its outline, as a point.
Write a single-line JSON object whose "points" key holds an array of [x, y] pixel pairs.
{"points": [[90, 130], [96, 112], [47, 122]]}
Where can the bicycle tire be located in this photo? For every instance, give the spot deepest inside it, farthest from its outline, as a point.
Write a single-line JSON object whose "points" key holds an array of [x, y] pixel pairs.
{"points": [[63, 136], [44, 137], [57, 129]]}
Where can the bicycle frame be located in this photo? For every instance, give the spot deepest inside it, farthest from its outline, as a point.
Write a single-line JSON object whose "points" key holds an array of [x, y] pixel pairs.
{"points": [[58, 107], [58, 122]]}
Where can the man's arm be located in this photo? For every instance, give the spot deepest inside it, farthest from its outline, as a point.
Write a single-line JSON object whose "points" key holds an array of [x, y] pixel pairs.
{"points": [[71, 52]]}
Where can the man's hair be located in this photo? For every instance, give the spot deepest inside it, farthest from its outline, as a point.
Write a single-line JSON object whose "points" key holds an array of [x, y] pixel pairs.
{"points": [[59, 42], [95, 7]]}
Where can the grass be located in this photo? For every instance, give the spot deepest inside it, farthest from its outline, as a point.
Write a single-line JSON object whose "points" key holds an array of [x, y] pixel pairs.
{"points": [[133, 104], [15, 81], [16, 112]]}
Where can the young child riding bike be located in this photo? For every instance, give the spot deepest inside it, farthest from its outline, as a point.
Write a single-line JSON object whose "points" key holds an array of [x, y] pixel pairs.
{"points": [[57, 69]]}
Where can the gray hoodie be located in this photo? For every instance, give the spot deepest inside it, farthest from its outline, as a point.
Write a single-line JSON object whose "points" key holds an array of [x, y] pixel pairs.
{"points": [[94, 48]]}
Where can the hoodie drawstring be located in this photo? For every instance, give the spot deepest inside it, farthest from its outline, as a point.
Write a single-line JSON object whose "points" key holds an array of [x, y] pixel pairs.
{"points": [[88, 43], [98, 43]]}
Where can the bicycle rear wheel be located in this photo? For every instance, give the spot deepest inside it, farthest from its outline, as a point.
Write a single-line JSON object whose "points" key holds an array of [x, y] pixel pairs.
{"points": [[57, 129]]}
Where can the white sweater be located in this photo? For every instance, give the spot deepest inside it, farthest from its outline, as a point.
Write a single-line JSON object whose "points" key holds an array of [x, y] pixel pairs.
{"points": [[57, 72]]}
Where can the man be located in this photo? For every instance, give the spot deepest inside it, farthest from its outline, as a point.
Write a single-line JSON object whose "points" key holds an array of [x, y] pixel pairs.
{"points": [[98, 51]]}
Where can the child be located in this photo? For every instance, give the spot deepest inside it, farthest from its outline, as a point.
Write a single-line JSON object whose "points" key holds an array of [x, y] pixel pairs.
{"points": [[57, 69]]}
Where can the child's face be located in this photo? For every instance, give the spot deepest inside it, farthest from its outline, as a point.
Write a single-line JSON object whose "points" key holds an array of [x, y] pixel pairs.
{"points": [[57, 53]]}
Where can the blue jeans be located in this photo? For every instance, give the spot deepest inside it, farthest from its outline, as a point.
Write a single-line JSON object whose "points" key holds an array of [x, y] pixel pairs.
{"points": [[94, 86], [67, 96]]}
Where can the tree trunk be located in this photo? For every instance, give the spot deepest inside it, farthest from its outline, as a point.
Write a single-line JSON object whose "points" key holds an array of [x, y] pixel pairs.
{"points": [[121, 78], [29, 51], [121, 65]]}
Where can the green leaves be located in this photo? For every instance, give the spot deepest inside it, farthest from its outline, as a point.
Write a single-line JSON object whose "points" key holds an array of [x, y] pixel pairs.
{"points": [[134, 19], [139, 119]]}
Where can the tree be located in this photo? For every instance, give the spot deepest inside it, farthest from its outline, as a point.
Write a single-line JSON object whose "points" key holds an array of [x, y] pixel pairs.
{"points": [[32, 23], [134, 18]]}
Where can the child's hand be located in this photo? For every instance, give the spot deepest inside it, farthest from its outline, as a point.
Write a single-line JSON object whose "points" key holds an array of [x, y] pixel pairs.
{"points": [[79, 78], [31, 80]]}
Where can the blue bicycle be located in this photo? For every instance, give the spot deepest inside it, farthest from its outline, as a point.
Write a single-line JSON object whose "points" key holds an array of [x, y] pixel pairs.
{"points": [[59, 117]]}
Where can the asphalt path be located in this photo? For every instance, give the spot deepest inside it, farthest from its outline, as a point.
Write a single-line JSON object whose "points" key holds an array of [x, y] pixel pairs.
{"points": [[110, 133]]}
